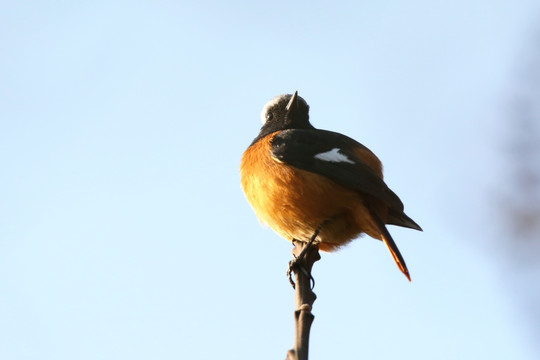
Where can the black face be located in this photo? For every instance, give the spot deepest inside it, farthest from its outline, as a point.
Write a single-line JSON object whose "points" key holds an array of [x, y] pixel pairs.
{"points": [[284, 112]]}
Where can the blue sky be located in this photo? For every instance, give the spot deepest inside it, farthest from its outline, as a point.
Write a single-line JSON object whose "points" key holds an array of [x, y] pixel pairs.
{"points": [[123, 229]]}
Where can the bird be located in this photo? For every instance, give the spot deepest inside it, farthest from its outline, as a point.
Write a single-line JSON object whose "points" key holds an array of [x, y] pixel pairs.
{"points": [[305, 182]]}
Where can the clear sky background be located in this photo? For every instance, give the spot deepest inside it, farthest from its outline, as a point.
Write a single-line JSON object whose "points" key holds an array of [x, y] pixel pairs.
{"points": [[124, 233]]}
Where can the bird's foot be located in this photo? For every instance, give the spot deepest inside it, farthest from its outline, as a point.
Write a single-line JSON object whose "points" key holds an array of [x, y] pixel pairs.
{"points": [[296, 263]]}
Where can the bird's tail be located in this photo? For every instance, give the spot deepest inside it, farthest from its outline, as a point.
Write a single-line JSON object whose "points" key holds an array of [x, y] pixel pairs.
{"points": [[392, 247]]}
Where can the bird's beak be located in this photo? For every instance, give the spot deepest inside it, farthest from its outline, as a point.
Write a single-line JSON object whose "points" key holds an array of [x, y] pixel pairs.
{"points": [[293, 102]]}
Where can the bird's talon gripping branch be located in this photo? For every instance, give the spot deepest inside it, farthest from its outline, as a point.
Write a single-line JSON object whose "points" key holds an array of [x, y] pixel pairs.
{"points": [[293, 267], [295, 263], [290, 271]]}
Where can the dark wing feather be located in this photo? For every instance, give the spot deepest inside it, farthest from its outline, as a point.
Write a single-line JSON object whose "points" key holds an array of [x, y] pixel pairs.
{"points": [[401, 219], [298, 147]]}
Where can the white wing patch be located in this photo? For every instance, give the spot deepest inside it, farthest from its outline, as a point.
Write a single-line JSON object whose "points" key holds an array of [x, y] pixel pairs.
{"points": [[333, 156]]}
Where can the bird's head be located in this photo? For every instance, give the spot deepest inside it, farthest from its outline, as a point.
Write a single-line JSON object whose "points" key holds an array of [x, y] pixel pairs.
{"points": [[285, 112]]}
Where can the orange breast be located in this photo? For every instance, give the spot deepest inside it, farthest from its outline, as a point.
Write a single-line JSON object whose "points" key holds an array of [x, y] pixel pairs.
{"points": [[294, 202]]}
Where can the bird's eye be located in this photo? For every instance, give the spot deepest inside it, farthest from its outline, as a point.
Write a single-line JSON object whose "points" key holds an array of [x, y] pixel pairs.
{"points": [[269, 116]]}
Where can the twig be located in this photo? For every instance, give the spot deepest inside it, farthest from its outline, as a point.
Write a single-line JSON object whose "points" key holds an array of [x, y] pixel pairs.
{"points": [[304, 297]]}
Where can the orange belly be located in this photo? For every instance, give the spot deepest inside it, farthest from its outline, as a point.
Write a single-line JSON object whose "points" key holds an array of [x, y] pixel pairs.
{"points": [[295, 202]]}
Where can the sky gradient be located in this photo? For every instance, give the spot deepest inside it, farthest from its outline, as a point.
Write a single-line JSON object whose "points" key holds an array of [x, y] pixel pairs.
{"points": [[124, 233]]}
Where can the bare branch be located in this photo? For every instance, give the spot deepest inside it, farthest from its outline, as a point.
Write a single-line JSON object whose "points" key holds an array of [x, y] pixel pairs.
{"points": [[304, 297]]}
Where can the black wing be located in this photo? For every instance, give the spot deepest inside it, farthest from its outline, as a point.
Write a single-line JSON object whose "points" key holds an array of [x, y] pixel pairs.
{"points": [[300, 147]]}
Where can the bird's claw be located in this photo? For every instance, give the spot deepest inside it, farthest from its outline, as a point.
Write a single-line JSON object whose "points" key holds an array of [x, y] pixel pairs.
{"points": [[295, 266]]}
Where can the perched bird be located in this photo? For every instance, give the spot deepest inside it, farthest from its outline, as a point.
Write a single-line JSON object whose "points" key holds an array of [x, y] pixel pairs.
{"points": [[300, 180]]}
